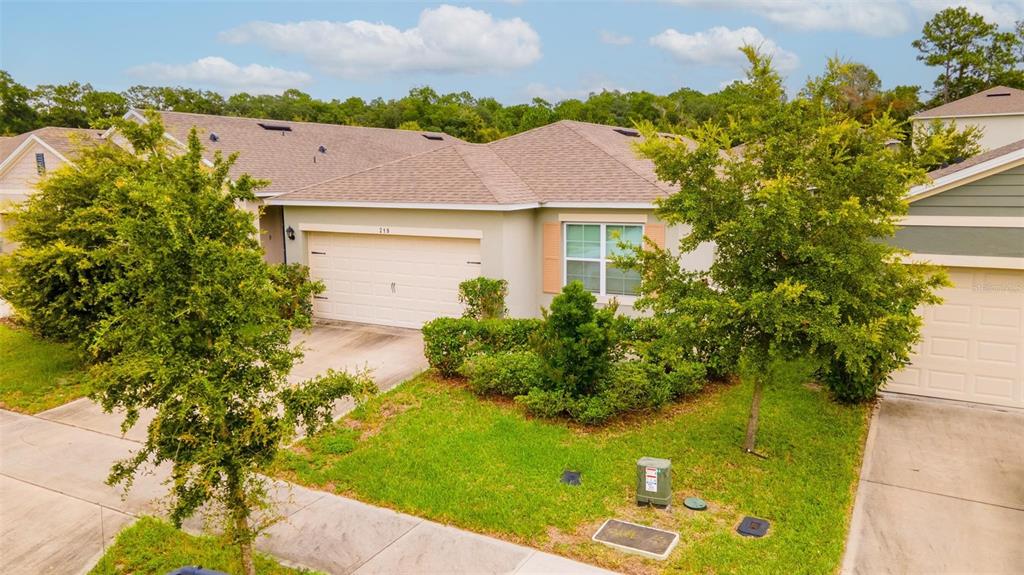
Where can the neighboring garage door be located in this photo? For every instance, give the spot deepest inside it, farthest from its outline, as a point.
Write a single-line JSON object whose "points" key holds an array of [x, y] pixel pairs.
{"points": [[394, 280], [972, 345]]}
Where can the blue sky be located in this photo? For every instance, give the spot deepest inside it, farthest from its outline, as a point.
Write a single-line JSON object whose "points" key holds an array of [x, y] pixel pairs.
{"points": [[509, 50]]}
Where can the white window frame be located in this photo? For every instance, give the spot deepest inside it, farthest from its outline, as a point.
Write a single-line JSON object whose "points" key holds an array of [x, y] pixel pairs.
{"points": [[603, 261]]}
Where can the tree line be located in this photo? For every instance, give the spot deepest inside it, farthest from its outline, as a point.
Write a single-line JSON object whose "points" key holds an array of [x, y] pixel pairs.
{"points": [[970, 53]]}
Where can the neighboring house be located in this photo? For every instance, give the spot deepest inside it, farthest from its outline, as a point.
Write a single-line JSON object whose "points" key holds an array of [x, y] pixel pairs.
{"points": [[998, 111], [970, 219], [538, 209], [25, 158]]}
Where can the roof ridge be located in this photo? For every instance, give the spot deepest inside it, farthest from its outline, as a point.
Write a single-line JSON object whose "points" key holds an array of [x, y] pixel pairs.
{"points": [[371, 168], [325, 124]]}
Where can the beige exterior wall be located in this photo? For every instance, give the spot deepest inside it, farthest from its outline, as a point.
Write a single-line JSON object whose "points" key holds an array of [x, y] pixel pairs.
{"points": [[506, 240], [18, 181], [699, 259], [996, 130], [510, 242]]}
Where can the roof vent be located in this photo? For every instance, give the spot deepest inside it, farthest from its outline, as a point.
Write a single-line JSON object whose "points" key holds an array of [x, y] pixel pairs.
{"points": [[433, 137], [625, 132], [214, 137], [323, 149], [997, 94], [275, 127]]}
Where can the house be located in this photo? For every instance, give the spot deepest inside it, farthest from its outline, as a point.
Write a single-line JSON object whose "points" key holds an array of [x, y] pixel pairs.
{"points": [[999, 112], [27, 157], [538, 209], [970, 219]]}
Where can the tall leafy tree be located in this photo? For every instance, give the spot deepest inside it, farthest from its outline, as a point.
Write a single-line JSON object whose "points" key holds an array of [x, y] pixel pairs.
{"points": [[799, 219], [193, 324], [16, 112], [970, 52]]}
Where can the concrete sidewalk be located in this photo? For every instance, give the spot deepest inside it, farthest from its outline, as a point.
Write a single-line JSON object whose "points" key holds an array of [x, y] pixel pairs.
{"points": [[941, 491], [57, 515]]}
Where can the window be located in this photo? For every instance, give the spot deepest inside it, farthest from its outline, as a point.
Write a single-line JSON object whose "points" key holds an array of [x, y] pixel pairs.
{"points": [[588, 249], [40, 164]]}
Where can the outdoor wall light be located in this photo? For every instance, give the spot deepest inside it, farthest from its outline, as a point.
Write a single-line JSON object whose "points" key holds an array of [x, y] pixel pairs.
{"points": [[290, 232]]}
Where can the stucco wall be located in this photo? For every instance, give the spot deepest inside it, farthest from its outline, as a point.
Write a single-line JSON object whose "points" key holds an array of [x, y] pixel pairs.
{"points": [[505, 246], [699, 259]]}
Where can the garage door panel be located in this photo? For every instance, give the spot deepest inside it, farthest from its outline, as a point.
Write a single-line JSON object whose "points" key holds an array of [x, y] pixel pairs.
{"points": [[972, 345], [393, 280]]}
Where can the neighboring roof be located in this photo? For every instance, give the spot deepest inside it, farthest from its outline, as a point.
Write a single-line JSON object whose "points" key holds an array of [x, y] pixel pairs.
{"points": [[64, 140], [566, 161], [291, 159], [990, 160], [994, 101]]}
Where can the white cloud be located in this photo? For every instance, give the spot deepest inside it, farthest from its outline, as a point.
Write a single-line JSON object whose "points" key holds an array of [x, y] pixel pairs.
{"points": [[222, 73], [587, 85], [721, 46], [615, 39], [1003, 12], [868, 17], [445, 39]]}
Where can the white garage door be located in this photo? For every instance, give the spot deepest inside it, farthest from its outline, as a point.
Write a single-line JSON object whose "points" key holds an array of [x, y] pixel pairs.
{"points": [[972, 345], [402, 281]]}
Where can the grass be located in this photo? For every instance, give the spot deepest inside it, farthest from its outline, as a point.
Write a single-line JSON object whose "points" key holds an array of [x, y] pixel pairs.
{"points": [[36, 375], [433, 449], [154, 547]]}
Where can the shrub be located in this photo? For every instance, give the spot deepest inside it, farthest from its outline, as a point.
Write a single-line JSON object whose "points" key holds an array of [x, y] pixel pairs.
{"points": [[296, 292], [545, 403], [484, 298], [577, 341], [446, 342], [507, 374], [631, 387], [593, 409]]}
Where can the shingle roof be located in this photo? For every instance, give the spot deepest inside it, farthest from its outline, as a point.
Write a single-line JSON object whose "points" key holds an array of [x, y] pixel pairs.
{"points": [[997, 100], [975, 160], [291, 159], [457, 174], [566, 161], [65, 140]]}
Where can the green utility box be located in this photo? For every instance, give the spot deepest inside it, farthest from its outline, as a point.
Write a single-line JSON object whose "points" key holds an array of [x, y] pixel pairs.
{"points": [[654, 481]]}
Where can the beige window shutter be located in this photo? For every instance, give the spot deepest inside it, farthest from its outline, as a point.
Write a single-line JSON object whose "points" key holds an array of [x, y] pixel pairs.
{"points": [[656, 233], [552, 247]]}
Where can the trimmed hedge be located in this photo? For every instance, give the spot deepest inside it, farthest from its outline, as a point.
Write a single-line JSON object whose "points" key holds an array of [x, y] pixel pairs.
{"points": [[448, 341], [509, 374]]}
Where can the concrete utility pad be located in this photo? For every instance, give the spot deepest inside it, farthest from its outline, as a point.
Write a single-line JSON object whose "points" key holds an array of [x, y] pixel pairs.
{"points": [[942, 491]]}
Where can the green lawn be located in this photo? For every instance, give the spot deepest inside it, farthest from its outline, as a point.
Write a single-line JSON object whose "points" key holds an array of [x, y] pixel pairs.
{"points": [[154, 547], [433, 449], [35, 374]]}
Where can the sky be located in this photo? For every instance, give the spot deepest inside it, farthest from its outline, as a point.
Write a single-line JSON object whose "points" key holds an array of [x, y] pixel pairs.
{"points": [[513, 51]]}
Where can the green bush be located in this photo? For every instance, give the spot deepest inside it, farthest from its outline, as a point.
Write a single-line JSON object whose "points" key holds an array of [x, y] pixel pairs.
{"points": [[296, 292], [577, 341], [484, 298], [448, 341], [545, 403], [507, 374], [631, 387]]}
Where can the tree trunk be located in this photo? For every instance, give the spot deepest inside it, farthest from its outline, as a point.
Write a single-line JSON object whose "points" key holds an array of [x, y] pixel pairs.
{"points": [[755, 413], [245, 546]]}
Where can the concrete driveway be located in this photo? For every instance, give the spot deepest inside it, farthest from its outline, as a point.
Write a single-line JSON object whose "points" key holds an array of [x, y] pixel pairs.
{"points": [[941, 491]]}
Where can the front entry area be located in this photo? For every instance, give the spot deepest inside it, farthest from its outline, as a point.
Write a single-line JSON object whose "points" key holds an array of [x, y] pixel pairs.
{"points": [[396, 280], [972, 345]]}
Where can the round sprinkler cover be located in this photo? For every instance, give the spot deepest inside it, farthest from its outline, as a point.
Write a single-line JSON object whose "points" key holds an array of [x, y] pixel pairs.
{"points": [[695, 503]]}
